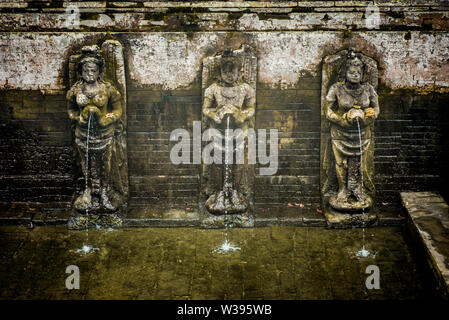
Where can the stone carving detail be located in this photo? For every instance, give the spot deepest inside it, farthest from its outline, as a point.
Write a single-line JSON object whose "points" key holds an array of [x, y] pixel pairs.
{"points": [[349, 107], [97, 106], [229, 100]]}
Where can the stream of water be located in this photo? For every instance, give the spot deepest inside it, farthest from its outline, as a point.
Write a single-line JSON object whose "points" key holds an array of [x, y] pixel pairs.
{"points": [[362, 252], [226, 246], [86, 248]]}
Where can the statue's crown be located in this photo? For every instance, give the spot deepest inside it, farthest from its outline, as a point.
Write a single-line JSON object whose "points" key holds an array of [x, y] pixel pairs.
{"points": [[229, 56], [91, 54], [354, 59], [90, 50]]}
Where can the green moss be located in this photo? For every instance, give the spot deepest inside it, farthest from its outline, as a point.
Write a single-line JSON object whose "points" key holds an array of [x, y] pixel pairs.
{"points": [[396, 14], [347, 33], [408, 35], [235, 15], [276, 16]]}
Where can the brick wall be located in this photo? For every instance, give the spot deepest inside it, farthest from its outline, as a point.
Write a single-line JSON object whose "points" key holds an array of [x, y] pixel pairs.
{"points": [[411, 145]]}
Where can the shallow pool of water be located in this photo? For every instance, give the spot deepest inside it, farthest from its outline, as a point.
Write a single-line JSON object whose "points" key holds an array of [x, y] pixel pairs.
{"points": [[183, 263]]}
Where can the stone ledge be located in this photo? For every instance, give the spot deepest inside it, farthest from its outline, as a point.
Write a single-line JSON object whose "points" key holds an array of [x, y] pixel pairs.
{"points": [[428, 218], [61, 217], [30, 6], [98, 20]]}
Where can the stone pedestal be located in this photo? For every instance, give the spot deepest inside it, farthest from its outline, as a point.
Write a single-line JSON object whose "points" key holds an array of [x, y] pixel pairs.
{"points": [[243, 220], [81, 222], [344, 220]]}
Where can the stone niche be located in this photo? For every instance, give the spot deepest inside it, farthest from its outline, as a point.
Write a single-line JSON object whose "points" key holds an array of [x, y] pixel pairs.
{"points": [[348, 110], [97, 108], [227, 187]]}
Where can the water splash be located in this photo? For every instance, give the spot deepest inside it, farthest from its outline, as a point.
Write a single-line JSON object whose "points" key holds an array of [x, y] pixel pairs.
{"points": [[86, 249], [364, 253], [226, 247]]}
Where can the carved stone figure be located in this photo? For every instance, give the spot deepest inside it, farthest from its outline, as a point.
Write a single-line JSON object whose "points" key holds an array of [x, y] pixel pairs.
{"points": [[229, 103], [97, 109], [350, 107]]}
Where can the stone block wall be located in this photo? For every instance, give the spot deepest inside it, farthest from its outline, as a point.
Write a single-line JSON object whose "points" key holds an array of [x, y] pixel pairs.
{"points": [[165, 43]]}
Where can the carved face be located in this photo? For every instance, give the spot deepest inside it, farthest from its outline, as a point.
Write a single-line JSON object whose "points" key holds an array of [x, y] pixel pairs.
{"points": [[354, 74], [229, 73], [90, 72]]}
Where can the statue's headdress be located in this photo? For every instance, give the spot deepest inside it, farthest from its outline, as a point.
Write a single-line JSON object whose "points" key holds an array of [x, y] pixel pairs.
{"points": [[91, 54], [352, 59], [229, 57]]}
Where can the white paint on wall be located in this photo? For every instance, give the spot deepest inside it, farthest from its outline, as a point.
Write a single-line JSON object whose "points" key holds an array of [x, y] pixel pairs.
{"points": [[422, 60], [33, 61], [38, 61], [169, 60]]}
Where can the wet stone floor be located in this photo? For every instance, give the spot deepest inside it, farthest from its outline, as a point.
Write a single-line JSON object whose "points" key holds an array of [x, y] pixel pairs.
{"points": [[180, 263]]}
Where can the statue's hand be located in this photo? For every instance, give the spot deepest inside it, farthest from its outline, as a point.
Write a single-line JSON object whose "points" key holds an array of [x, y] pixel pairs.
{"points": [[81, 120], [345, 121], [355, 115], [94, 111], [240, 117], [243, 115], [106, 120], [227, 109], [369, 113], [90, 110], [370, 116], [216, 118]]}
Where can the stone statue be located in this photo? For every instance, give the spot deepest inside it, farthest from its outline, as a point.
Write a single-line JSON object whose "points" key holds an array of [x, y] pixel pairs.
{"points": [[97, 109], [350, 109], [229, 103]]}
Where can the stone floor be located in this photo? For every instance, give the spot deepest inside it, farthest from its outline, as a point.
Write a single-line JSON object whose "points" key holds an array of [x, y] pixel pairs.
{"points": [[180, 263]]}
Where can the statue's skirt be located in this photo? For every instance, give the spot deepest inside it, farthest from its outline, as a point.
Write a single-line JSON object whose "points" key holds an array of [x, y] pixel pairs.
{"points": [[100, 138], [347, 141]]}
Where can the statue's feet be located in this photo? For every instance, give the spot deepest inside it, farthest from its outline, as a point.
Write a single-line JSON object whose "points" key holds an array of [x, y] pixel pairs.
{"points": [[359, 194], [343, 194], [84, 201], [239, 203], [233, 203], [96, 189], [106, 202], [355, 201]]}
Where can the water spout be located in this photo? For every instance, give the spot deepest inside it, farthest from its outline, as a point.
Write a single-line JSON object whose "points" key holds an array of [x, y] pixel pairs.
{"points": [[362, 252]]}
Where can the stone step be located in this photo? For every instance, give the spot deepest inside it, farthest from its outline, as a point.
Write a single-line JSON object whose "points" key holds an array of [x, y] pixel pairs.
{"points": [[428, 217]]}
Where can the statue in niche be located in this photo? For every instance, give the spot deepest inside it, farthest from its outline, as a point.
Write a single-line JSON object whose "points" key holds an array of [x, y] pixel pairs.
{"points": [[350, 107], [229, 101], [98, 110]]}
